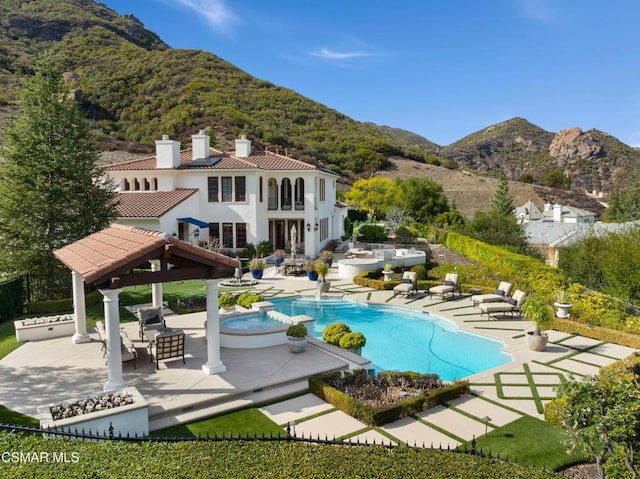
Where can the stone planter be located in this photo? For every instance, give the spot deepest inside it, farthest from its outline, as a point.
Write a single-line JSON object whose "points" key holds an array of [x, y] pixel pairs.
{"points": [[297, 345], [324, 286], [131, 419], [387, 275], [35, 329], [536, 340], [562, 309]]}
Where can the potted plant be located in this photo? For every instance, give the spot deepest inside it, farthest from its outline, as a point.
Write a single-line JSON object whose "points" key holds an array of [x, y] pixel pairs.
{"points": [[535, 309], [310, 268], [387, 271], [256, 266], [353, 342], [297, 337], [227, 302], [562, 303], [326, 256], [278, 257], [322, 269]]}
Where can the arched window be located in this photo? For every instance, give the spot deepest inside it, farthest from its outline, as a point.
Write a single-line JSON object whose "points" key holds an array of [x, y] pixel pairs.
{"points": [[272, 194], [145, 184], [125, 185], [154, 184], [299, 194], [136, 184], [285, 193]]}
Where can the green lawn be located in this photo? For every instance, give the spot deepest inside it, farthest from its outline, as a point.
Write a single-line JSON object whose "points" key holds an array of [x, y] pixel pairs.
{"points": [[248, 421], [530, 441]]}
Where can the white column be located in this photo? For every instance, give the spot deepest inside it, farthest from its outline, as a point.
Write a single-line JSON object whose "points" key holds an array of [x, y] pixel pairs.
{"points": [[156, 288], [112, 327], [79, 310], [214, 363]]}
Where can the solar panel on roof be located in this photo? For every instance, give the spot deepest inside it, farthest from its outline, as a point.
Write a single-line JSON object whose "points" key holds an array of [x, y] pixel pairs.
{"points": [[200, 162]]}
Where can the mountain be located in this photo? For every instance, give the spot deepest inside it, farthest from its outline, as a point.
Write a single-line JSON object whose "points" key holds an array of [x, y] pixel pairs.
{"points": [[593, 160], [135, 88]]}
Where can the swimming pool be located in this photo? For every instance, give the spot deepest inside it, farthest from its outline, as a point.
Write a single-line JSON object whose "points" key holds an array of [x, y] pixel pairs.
{"points": [[401, 339]]}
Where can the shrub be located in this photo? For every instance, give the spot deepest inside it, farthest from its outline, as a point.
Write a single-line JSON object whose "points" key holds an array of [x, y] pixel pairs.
{"points": [[326, 255], [247, 299], [250, 250], [421, 270], [352, 341], [264, 248], [297, 330], [332, 333], [372, 233], [226, 300]]}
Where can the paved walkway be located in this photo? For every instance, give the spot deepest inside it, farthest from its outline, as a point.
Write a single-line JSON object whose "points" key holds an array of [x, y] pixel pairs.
{"points": [[50, 371]]}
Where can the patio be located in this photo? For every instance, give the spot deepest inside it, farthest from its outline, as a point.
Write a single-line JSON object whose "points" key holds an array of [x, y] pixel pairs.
{"points": [[52, 370]]}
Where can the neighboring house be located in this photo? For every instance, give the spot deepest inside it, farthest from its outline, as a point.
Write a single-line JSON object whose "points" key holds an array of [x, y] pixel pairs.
{"points": [[553, 212], [237, 197], [550, 237]]}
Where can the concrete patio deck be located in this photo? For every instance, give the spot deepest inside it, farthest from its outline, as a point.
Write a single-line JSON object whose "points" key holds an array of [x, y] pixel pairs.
{"points": [[49, 371]]}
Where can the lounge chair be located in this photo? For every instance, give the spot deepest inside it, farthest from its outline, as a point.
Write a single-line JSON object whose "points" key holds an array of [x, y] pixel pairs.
{"points": [[498, 295], [510, 305], [408, 285], [150, 317], [447, 288]]}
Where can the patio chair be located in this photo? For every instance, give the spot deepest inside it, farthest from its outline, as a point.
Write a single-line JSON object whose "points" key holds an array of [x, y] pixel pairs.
{"points": [[102, 334], [510, 305], [408, 284], [127, 349], [498, 295], [150, 317], [168, 345], [447, 288]]}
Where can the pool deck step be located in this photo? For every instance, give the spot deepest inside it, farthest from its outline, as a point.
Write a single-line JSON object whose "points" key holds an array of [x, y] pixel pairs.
{"points": [[171, 418]]}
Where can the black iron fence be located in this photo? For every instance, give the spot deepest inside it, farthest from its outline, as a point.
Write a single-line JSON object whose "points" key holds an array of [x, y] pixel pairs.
{"points": [[288, 436]]}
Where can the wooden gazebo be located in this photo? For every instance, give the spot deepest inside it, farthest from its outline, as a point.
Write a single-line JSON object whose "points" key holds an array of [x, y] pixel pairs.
{"points": [[109, 258]]}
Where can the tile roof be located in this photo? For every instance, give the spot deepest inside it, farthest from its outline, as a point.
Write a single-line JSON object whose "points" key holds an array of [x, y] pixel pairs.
{"points": [[264, 160], [117, 249], [151, 204]]}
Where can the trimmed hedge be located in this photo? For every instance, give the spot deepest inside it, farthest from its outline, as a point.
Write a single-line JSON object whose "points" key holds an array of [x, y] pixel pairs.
{"points": [[248, 459], [596, 332], [386, 414], [12, 295], [590, 308], [57, 306]]}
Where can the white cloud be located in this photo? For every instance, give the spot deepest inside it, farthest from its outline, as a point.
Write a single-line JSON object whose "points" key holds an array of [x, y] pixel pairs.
{"points": [[215, 12], [326, 53]]}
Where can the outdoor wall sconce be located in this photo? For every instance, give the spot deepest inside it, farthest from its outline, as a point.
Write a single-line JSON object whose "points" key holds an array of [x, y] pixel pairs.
{"points": [[308, 227], [196, 233], [315, 228]]}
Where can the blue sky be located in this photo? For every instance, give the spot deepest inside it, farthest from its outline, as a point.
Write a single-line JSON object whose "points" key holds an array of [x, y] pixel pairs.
{"points": [[440, 68]]}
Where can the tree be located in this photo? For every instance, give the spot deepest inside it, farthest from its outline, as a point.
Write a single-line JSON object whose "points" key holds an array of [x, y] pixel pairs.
{"points": [[602, 415], [556, 179], [495, 228], [51, 189], [501, 201], [397, 216], [624, 204], [375, 195], [424, 199]]}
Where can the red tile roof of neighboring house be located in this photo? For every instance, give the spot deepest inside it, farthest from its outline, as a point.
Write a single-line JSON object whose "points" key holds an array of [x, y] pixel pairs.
{"points": [[151, 204], [117, 249], [264, 160]]}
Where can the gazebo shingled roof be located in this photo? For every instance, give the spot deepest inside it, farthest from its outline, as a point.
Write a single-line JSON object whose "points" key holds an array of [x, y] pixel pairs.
{"points": [[107, 258]]}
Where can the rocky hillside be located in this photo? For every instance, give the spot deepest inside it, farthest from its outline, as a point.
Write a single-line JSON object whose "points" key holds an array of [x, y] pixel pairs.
{"points": [[592, 160]]}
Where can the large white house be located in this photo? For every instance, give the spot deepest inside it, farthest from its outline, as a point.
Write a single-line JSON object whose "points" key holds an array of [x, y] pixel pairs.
{"points": [[238, 197]]}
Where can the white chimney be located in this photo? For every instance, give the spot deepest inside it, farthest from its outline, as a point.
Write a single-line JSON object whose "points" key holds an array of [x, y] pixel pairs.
{"points": [[200, 144], [167, 153], [243, 147], [548, 206], [557, 213]]}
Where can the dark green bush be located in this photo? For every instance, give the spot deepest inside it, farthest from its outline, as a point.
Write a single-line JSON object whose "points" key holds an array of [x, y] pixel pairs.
{"points": [[12, 296], [372, 233]]}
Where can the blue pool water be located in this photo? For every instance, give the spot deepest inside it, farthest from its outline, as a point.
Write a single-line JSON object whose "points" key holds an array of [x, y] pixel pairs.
{"points": [[398, 339]]}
